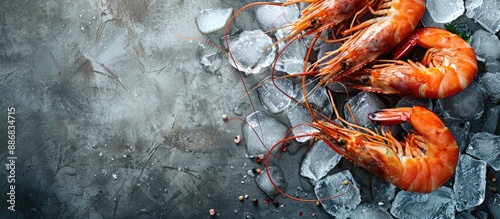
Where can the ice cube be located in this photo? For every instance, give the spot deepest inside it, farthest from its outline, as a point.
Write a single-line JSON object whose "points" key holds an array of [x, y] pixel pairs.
{"points": [[339, 194], [317, 97], [485, 12], [383, 192], [274, 100], [326, 48], [427, 21], [268, 129], [368, 210], [291, 56], [438, 204], [470, 182], [210, 57], [299, 117], [266, 185], [481, 215], [494, 206], [410, 102], [491, 64], [445, 11], [465, 215], [486, 146], [212, 20], [485, 45], [308, 40], [491, 123], [251, 51], [490, 84], [362, 104], [271, 17], [460, 130], [467, 105], [319, 161]]}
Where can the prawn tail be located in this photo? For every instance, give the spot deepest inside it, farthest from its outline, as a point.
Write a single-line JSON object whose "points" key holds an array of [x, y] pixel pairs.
{"points": [[393, 116]]}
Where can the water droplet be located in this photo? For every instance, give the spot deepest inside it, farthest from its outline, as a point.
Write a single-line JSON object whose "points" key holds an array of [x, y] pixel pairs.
{"points": [[237, 111], [94, 18]]}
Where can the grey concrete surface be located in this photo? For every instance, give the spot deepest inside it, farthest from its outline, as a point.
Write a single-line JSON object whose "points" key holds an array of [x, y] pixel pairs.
{"points": [[115, 117]]}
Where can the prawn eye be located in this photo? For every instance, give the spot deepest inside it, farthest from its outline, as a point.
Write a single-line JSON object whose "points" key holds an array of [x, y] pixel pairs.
{"points": [[341, 142], [365, 79], [315, 23], [346, 64]]}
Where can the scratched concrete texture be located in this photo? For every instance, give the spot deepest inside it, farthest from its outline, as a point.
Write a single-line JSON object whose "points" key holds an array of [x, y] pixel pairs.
{"points": [[116, 118]]}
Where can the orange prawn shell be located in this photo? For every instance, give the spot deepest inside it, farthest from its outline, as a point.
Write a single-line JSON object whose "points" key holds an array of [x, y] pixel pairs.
{"points": [[379, 37], [448, 68], [380, 156], [425, 174]]}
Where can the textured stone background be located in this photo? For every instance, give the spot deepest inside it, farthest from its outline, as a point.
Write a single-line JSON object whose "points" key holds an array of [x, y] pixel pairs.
{"points": [[104, 87]]}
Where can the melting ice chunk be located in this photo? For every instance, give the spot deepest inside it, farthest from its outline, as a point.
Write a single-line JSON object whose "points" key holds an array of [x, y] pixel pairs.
{"points": [[319, 102], [445, 11], [362, 104], [490, 83], [268, 129], [460, 130], [210, 57], [438, 204], [427, 21], [339, 194], [319, 161], [492, 115], [485, 44], [298, 116], [212, 20], [265, 184], [317, 97], [481, 215], [272, 17], [465, 215], [369, 210], [292, 55], [467, 105], [491, 64], [251, 51], [274, 100], [470, 182], [485, 12], [486, 146], [383, 192], [494, 206]]}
